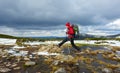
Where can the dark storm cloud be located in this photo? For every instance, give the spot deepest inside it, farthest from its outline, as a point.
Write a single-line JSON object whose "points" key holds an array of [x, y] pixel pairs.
{"points": [[51, 13]]}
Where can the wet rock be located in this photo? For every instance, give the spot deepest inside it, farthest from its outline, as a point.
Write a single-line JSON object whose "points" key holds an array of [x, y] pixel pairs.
{"points": [[8, 64], [4, 63], [26, 59], [100, 51], [88, 60], [23, 53], [118, 53], [61, 70], [55, 49], [64, 57], [34, 57], [3, 70], [49, 48], [115, 48], [107, 70], [5, 56], [14, 65], [18, 58], [29, 63], [3, 52], [108, 48], [9, 58], [115, 58], [1, 61], [94, 52], [31, 56], [42, 48], [111, 55], [56, 62], [107, 52], [16, 68], [38, 72], [77, 63], [88, 50]]}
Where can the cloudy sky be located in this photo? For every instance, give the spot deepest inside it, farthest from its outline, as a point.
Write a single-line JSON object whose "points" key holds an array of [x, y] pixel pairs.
{"points": [[48, 17]]}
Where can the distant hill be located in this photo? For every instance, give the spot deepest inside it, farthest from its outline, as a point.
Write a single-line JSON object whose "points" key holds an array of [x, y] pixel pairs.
{"points": [[114, 36], [82, 36], [7, 36]]}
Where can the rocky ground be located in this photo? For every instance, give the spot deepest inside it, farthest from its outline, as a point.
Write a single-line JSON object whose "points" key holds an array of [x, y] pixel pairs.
{"points": [[51, 59]]}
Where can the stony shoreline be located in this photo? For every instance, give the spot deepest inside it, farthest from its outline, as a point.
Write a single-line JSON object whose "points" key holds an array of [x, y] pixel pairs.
{"points": [[45, 57], [28, 60]]}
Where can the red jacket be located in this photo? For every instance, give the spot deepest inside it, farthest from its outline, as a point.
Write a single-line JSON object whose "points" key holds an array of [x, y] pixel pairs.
{"points": [[70, 31]]}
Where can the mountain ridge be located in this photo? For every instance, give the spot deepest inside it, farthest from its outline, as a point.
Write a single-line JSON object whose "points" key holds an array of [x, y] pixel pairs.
{"points": [[81, 36]]}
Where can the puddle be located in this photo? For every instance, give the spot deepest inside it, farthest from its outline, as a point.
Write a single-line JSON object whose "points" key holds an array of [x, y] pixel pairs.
{"points": [[97, 58]]}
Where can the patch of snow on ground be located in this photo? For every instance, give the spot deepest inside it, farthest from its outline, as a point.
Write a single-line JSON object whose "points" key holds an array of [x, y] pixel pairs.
{"points": [[85, 42], [38, 43], [114, 43], [46, 53], [18, 47], [5, 41], [104, 42], [17, 53]]}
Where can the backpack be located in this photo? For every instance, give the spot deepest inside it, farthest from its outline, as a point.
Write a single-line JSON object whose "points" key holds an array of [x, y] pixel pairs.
{"points": [[76, 30]]}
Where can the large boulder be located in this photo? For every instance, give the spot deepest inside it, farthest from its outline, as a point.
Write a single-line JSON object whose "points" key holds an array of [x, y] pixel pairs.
{"points": [[67, 58], [49, 48]]}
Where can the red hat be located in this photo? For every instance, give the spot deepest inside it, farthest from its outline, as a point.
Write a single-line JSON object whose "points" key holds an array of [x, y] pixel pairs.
{"points": [[67, 24]]}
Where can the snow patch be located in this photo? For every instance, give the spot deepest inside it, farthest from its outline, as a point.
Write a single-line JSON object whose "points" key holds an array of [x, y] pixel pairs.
{"points": [[17, 53], [5, 41], [38, 43], [16, 46], [102, 42], [46, 53]]}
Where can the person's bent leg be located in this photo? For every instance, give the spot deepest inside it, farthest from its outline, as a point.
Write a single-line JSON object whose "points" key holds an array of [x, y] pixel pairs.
{"points": [[65, 40], [74, 46]]}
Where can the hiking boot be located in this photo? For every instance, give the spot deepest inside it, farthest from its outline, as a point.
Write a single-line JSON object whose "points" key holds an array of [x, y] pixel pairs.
{"points": [[78, 49]]}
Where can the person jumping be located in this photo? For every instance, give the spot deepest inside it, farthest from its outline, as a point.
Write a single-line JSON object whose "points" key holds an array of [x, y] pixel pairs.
{"points": [[70, 36]]}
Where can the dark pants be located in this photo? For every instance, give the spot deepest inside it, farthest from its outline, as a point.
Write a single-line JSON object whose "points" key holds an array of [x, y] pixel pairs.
{"points": [[72, 42]]}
